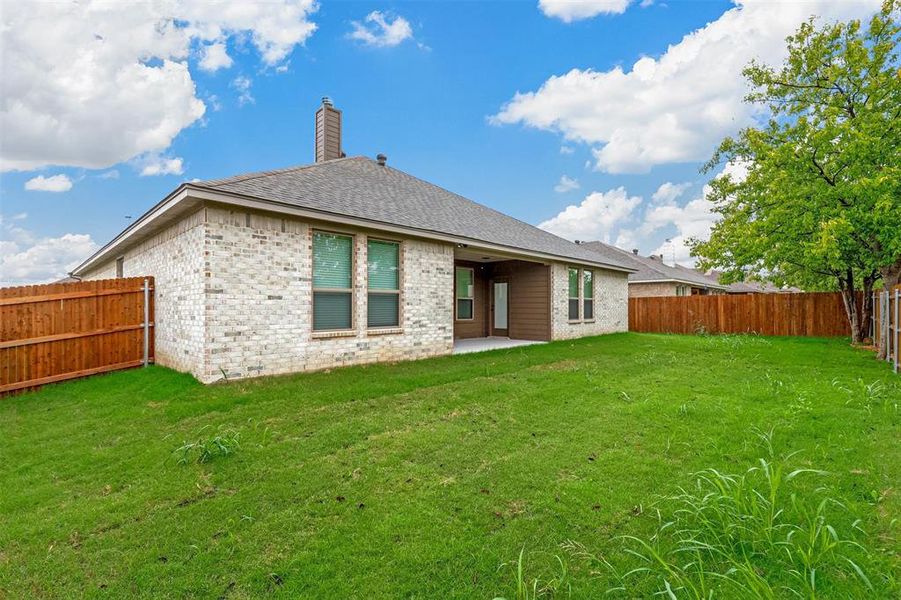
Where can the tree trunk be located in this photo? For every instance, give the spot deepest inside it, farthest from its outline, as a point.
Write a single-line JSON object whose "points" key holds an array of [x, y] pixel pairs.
{"points": [[891, 274], [866, 307], [846, 284]]}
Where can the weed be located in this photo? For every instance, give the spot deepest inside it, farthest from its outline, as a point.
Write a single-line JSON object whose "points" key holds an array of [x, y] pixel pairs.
{"points": [[870, 395], [204, 450], [743, 536], [555, 585]]}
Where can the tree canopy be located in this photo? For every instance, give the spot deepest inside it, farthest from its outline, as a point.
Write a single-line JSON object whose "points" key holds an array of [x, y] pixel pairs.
{"points": [[820, 207]]}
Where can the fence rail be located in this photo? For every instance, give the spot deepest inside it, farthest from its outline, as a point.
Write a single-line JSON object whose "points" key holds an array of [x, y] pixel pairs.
{"points": [[819, 314], [887, 325], [60, 331]]}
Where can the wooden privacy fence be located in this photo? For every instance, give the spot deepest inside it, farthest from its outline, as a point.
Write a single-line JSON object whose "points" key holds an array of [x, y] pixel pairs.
{"points": [[808, 314], [60, 331], [887, 324]]}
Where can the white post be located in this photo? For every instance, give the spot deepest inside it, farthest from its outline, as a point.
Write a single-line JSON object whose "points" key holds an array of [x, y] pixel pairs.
{"points": [[146, 322]]}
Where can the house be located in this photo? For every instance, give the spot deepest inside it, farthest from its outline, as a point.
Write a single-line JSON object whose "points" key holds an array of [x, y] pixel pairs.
{"points": [[349, 261], [653, 277], [753, 287]]}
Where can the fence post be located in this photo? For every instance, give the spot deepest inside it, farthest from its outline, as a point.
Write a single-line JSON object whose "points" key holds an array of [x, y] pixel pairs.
{"points": [[146, 322], [897, 328]]}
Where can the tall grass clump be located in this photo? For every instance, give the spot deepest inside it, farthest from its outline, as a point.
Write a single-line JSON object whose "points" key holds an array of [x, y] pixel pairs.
{"points": [[206, 448], [532, 588], [755, 535]]}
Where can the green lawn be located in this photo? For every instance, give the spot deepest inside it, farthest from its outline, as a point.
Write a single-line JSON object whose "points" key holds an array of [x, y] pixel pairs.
{"points": [[427, 479]]}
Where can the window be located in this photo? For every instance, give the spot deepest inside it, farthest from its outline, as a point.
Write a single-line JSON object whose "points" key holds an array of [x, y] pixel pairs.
{"points": [[464, 286], [332, 281], [588, 295], [120, 267], [574, 294], [383, 302]]}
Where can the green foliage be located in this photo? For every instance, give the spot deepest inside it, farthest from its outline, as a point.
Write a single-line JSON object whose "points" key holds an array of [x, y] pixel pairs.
{"points": [[820, 207]]}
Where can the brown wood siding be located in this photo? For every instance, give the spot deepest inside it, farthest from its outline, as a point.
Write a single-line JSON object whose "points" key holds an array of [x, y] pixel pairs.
{"points": [[478, 326], [529, 295]]}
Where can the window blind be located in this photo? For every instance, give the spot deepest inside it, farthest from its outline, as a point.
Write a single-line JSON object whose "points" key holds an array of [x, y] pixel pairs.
{"points": [[383, 301], [332, 281]]}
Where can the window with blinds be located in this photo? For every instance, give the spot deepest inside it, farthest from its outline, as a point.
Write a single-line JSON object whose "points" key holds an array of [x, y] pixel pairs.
{"points": [[332, 281], [465, 290], [383, 300], [588, 295], [574, 294]]}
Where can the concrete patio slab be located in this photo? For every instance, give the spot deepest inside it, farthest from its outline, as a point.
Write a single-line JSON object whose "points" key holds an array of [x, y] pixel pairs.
{"points": [[489, 343]]}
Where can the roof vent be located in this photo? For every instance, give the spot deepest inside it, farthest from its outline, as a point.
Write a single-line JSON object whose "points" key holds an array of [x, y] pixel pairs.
{"points": [[381, 159], [635, 251]]}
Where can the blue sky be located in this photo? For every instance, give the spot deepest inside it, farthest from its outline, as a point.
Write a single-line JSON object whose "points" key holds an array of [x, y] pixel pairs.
{"points": [[613, 96]]}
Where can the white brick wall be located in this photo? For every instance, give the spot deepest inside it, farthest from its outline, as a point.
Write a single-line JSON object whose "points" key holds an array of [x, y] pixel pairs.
{"points": [[611, 304], [234, 298], [259, 310], [174, 257]]}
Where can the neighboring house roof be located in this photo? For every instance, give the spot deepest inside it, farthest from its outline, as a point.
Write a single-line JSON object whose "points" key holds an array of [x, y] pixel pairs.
{"points": [[362, 189], [754, 287], [653, 269]]}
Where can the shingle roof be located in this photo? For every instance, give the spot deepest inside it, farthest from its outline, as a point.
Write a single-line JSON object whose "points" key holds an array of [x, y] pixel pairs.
{"points": [[651, 269], [360, 187]]}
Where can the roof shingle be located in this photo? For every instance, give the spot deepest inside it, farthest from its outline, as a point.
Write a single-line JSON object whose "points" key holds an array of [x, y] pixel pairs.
{"points": [[360, 187]]}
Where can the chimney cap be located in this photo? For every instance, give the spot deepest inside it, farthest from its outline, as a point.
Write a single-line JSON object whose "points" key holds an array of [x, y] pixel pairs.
{"points": [[326, 101], [381, 159]]}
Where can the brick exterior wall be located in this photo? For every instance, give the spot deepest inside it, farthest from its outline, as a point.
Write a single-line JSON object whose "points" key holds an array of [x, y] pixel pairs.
{"points": [[645, 290], [259, 300], [174, 257], [611, 305], [234, 298]]}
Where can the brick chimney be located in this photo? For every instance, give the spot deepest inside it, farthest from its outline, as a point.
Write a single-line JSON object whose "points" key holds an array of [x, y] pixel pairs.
{"points": [[328, 131]]}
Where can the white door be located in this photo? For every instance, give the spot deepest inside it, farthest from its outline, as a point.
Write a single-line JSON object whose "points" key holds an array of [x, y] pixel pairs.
{"points": [[500, 307]]}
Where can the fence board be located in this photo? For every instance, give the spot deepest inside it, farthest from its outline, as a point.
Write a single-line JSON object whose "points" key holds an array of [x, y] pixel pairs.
{"points": [[60, 331], [819, 314]]}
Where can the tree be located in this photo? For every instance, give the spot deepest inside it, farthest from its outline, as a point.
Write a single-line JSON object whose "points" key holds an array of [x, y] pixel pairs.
{"points": [[820, 207]]}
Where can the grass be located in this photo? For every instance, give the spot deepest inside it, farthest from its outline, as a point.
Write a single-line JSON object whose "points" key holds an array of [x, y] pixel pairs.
{"points": [[545, 471]]}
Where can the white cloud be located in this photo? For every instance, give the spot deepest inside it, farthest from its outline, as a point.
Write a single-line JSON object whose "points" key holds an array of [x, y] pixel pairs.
{"points": [[566, 150], [111, 174], [157, 164], [575, 10], [54, 183], [692, 220], [566, 184], [243, 85], [214, 57], [677, 107], [93, 83], [27, 259], [668, 192], [379, 30], [595, 217]]}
